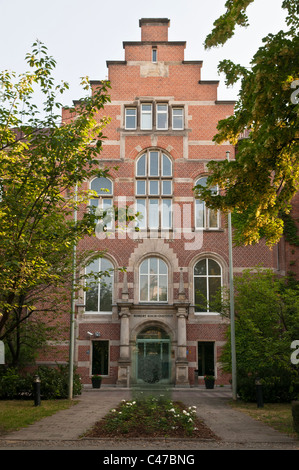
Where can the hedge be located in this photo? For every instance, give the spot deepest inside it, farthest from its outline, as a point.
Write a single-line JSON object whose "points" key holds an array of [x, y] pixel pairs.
{"points": [[15, 384]]}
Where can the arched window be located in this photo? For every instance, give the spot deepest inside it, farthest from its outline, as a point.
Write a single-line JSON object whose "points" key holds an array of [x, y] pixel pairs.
{"points": [[207, 284], [99, 293], [153, 280], [205, 217], [103, 202], [154, 190]]}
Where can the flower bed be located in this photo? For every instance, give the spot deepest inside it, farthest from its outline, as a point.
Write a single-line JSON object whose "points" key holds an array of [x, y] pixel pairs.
{"points": [[151, 417]]}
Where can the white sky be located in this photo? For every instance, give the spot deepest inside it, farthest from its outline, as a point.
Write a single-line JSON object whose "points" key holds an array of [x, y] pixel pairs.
{"points": [[82, 34]]}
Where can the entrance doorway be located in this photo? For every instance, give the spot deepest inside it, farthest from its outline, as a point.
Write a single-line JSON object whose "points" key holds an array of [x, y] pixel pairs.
{"points": [[153, 356]]}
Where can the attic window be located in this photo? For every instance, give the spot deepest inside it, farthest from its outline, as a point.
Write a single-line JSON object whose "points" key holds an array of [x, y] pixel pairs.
{"points": [[154, 54]]}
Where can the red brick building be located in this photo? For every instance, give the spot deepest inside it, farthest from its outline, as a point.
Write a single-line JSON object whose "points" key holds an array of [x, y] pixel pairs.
{"points": [[155, 322]]}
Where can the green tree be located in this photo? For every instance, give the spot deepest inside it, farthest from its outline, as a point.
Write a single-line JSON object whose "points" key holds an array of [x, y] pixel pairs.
{"points": [[260, 183], [42, 162], [266, 324]]}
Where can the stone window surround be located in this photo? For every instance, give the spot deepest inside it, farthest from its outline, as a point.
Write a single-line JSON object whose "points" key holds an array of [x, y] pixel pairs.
{"points": [[154, 102], [170, 258]]}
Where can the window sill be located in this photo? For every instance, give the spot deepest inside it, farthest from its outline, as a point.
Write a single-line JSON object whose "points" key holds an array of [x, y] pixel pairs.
{"points": [[155, 130], [206, 313], [198, 229], [97, 313]]}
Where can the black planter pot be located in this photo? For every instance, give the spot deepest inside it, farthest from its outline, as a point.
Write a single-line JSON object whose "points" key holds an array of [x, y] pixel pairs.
{"points": [[96, 383], [209, 383]]}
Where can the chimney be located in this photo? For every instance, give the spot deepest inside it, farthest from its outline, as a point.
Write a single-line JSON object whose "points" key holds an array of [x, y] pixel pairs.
{"points": [[154, 29]]}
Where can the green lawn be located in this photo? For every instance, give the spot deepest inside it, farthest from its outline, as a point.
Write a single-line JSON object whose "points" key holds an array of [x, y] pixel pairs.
{"points": [[276, 415], [16, 414]]}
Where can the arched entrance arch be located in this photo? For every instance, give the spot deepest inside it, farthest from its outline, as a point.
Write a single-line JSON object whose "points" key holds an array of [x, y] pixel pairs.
{"points": [[153, 347]]}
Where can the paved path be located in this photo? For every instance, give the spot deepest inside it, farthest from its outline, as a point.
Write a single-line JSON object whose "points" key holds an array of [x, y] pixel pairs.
{"points": [[62, 431]]}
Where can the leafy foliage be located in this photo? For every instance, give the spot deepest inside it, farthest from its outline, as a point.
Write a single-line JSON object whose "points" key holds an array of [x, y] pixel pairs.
{"points": [[42, 162], [260, 183], [54, 383], [266, 323]]}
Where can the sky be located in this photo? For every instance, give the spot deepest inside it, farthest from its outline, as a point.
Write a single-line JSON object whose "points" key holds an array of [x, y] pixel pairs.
{"points": [[82, 35]]}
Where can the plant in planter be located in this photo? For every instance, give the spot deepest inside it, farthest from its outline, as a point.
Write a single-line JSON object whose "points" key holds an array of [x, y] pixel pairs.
{"points": [[96, 381], [209, 381]]}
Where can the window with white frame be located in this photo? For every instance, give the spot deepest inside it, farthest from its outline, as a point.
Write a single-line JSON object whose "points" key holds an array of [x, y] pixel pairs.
{"points": [[154, 190], [131, 118], [205, 218], [99, 286], [102, 204], [152, 115], [177, 118], [153, 280], [146, 118], [162, 116], [207, 285]]}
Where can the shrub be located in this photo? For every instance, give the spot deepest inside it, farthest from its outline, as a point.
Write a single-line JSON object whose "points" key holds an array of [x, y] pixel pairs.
{"points": [[10, 382], [54, 383], [277, 387]]}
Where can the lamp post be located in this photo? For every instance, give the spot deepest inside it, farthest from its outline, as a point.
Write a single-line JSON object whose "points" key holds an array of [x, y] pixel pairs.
{"points": [[232, 303], [72, 319]]}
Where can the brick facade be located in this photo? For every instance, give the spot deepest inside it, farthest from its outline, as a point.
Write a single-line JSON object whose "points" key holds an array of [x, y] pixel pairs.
{"points": [[153, 78]]}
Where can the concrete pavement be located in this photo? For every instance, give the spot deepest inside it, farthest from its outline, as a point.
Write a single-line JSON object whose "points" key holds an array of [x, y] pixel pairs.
{"points": [[64, 430]]}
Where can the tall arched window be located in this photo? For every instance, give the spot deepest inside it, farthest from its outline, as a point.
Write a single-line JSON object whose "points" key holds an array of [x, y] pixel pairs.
{"points": [[154, 190], [103, 202], [205, 217], [99, 293], [207, 284], [153, 280]]}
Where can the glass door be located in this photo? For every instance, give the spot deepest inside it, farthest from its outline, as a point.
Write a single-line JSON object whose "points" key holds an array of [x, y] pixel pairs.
{"points": [[153, 360]]}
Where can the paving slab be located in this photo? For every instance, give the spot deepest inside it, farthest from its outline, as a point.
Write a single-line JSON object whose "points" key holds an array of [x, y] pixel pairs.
{"points": [[64, 430]]}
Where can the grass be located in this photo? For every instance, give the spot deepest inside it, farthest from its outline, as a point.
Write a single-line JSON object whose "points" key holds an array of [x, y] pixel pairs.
{"points": [[17, 414], [151, 417], [148, 416], [276, 415]]}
